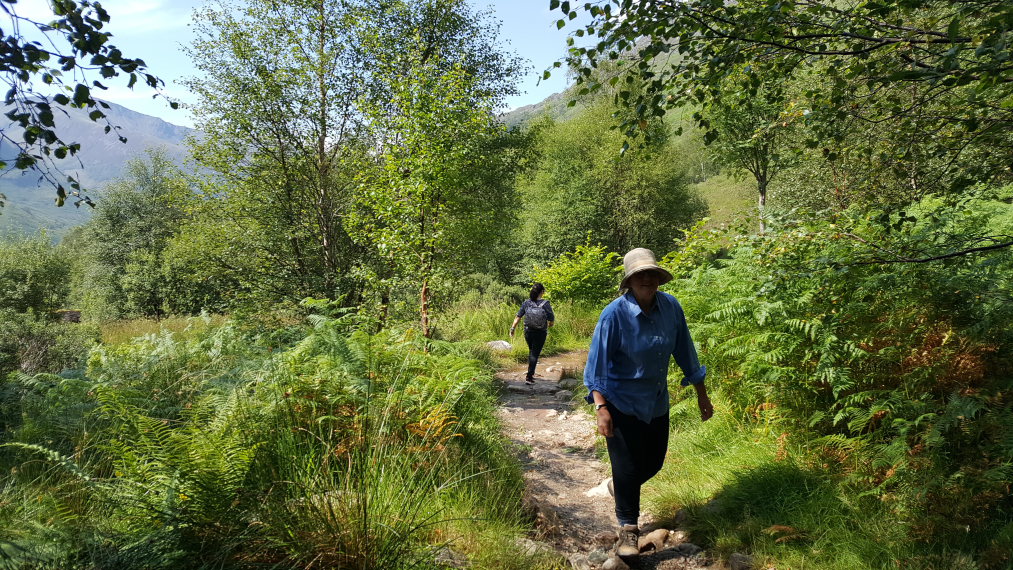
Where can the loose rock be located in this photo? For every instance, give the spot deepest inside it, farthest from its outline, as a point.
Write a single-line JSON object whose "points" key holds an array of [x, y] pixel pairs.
{"points": [[738, 561], [655, 538], [602, 490], [688, 549], [564, 395], [606, 539], [614, 563], [568, 383], [578, 562], [598, 556], [499, 345], [530, 547], [449, 559]]}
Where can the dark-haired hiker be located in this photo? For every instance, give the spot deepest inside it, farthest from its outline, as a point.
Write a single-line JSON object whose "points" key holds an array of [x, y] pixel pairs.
{"points": [[538, 317], [627, 381]]}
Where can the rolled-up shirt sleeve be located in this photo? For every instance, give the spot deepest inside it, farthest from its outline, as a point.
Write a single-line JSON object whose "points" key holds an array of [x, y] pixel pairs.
{"points": [[603, 344], [685, 353]]}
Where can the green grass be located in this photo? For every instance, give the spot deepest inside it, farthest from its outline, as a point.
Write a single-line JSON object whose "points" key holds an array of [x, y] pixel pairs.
{"points": [[728, 199], [118, 332], [747, 488], [487, 321], [206, 450]]}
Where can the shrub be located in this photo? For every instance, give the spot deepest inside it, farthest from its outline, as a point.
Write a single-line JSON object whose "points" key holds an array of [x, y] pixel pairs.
{"points": [[32, 344], [587, 274], [33, 275]]}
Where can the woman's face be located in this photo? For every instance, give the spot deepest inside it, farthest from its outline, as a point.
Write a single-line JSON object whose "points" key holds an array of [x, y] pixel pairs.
{"points": [[644, 286]]}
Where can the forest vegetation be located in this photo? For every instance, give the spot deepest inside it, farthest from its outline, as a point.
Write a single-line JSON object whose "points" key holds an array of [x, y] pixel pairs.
{"points": [[281, 357]]}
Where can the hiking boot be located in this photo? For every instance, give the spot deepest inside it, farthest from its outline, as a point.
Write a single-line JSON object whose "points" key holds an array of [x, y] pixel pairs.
{"points": [[627, 545]]}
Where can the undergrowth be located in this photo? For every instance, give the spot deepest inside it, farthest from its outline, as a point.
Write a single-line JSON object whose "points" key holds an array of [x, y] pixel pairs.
{"points": [[221, 450], [889, 379]]}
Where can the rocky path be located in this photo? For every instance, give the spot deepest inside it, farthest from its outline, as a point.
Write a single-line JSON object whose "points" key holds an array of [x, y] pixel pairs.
{"points": [[566, 482]]}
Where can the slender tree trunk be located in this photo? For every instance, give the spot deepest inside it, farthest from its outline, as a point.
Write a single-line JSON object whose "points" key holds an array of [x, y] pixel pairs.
{"points": [[761, 182], [424, 302]]}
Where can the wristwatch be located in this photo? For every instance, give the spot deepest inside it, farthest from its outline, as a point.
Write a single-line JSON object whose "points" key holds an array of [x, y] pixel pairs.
{"points": [[599, 406]]}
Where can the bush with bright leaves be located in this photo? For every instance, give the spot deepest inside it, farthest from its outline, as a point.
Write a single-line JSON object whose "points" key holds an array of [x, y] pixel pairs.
{"points": [[588, 274]]}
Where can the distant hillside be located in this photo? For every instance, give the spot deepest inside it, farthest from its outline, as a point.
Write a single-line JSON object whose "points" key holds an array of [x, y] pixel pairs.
{"points": [[554, 107], [31, 202]]}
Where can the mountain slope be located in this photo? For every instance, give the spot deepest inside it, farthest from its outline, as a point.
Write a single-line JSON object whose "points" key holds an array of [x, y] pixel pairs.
{"points": [[30, 204]]}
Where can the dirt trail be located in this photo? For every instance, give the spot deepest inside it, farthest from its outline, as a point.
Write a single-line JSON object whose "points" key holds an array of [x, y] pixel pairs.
{"points": [[556, 443], [566, 482]]}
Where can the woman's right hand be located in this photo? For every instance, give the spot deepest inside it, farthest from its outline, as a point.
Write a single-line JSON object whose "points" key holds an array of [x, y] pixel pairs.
{"points": [[604, 421]]}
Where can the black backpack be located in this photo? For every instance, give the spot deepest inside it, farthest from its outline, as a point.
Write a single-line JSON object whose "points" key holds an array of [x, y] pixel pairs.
{"points": [[536, 317]]}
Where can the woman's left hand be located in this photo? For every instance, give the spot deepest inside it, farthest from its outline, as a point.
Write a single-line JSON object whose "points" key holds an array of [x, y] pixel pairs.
{"points": [[706, 408]]}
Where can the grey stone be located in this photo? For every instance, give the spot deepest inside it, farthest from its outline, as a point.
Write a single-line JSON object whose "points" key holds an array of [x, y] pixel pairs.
{"points": [[598, 555], [569, 383], [564, 395], [449, 559], [530, 547], [680, 517], [544, 388], [579, 562], [614, 563], [499, 345], [739, 561], [688, 549]]}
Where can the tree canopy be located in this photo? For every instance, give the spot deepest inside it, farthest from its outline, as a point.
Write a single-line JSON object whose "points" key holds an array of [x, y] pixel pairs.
{"points": [[930, 76]]}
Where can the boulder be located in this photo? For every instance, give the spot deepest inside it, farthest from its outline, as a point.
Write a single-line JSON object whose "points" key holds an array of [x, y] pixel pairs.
{"points": [[499, 345]]}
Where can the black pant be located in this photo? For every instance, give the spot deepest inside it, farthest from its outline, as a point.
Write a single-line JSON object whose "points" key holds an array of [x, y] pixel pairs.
{"points": [[637, 452], [536, 340]]}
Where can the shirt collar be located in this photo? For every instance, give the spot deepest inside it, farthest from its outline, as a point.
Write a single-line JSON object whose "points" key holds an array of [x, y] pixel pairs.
{"points": [[634, 307]]}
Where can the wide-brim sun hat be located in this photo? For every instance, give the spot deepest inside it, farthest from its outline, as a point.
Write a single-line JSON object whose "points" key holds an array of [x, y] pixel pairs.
{"points": [[642, 259]]}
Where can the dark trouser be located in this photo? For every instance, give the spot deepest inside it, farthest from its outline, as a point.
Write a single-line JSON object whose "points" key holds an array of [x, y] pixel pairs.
{"points": [[637, 451], [536, 340]]}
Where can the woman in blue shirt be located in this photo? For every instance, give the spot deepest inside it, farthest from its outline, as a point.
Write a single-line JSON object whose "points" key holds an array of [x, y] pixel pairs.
{"points": [[627, 381]]}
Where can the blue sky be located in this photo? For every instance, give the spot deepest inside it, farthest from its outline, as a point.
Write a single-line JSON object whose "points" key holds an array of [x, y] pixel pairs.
{"points": [[157, 30]]}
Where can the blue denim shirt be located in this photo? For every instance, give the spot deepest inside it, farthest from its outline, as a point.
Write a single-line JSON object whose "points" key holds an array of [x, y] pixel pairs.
{"points": [[628, 359]]}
